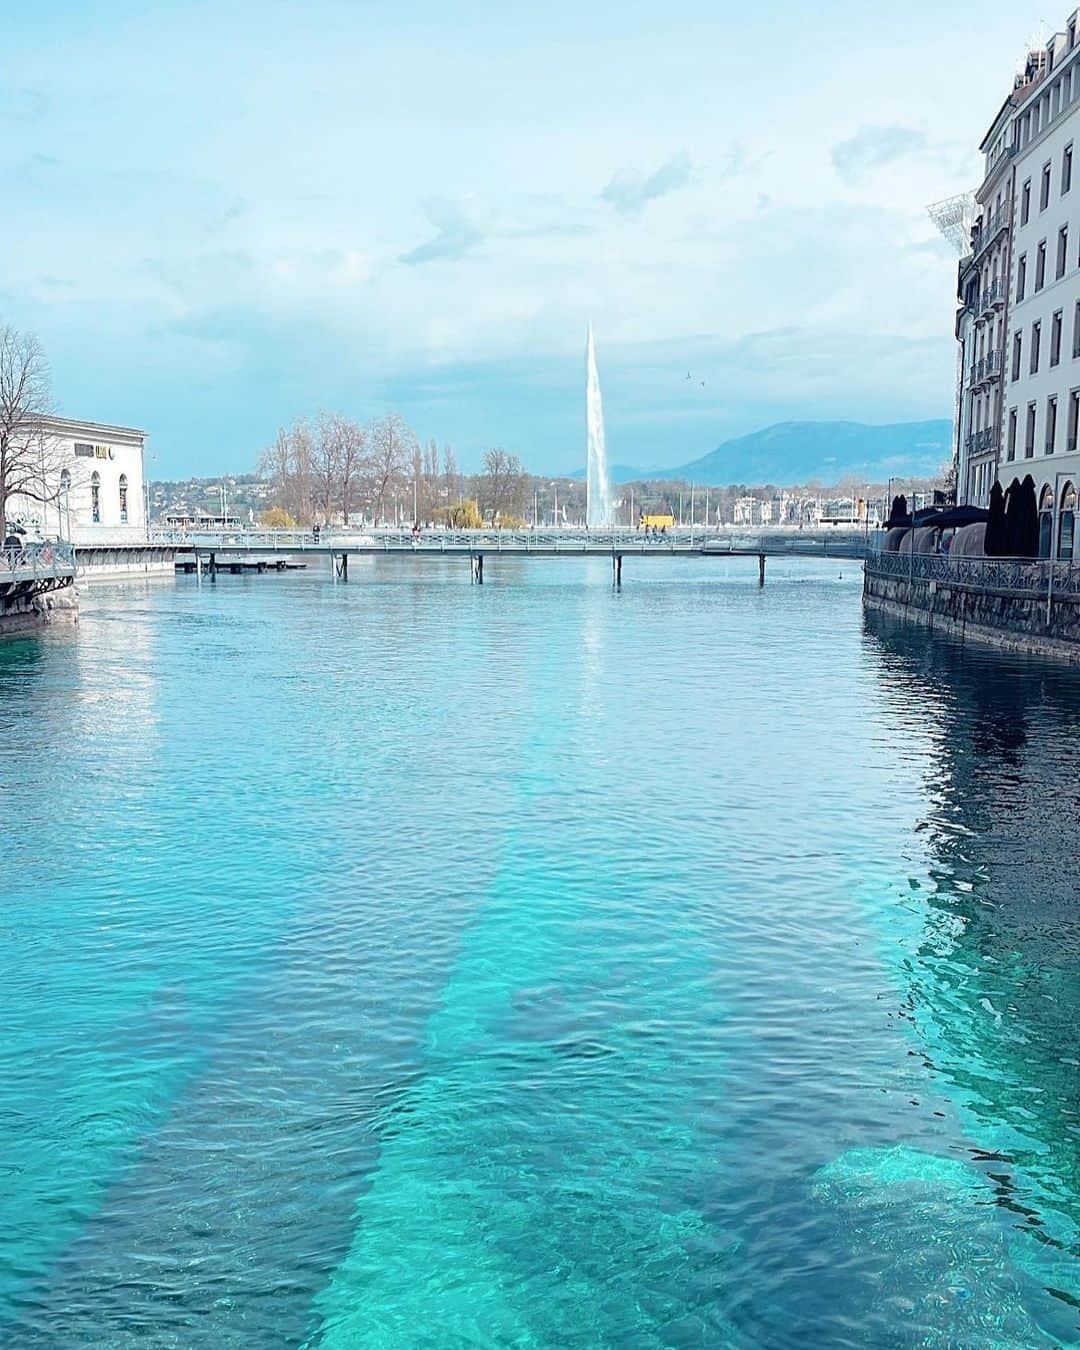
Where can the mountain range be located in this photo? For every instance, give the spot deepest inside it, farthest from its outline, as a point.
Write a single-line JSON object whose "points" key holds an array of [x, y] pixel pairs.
{"points": [[790, 453]]}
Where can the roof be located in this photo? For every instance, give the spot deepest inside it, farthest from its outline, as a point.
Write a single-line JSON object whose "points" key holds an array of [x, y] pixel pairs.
{"points": [[103, 430]]}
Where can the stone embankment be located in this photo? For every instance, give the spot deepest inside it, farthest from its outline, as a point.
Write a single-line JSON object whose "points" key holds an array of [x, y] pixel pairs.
{"points": [[20, 613], [1017, 604]]}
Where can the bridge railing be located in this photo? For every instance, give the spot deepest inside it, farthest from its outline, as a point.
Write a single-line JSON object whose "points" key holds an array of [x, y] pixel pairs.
{"points": [[1020, 576], [36, 562], [546, 539]]}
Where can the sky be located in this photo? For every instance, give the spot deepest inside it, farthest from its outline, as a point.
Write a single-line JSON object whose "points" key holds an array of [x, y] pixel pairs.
{"points": [[219, 216]]}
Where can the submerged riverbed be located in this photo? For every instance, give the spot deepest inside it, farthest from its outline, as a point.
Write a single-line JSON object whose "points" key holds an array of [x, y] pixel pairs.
{"points": [[408, 962]]}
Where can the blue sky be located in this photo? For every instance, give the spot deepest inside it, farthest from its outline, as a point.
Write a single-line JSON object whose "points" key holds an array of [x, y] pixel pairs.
{"points": [[219, 216]]}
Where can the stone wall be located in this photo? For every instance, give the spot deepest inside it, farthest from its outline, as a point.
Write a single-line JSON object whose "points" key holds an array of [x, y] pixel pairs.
{"points": [[1009, 619], [22, 613]]}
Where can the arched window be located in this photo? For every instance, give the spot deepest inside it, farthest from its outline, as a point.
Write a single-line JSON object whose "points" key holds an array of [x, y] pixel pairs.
{"points": [[123, 498], [95, 497], [1046, 522], [1067, 522], [65, 482]]}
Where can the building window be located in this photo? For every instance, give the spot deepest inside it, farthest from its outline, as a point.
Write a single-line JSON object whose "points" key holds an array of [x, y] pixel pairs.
{"points": [[1018, 342], [1029, 433], [1025, 203], [1011, 442], [83, 451], [1074, 419], [1067, 523], [1066, 169], [1076, 329], [1055, 338], [1044, 189], [1051, 423], [1021, 277], [1063, 250], [1036, 338], [95, 497], [1040, 266], [1046, 521], [123, 499]]}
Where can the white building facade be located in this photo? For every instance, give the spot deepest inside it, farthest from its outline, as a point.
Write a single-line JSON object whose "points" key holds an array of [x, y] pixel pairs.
{"points": [[93, 481], [1019, 319]]}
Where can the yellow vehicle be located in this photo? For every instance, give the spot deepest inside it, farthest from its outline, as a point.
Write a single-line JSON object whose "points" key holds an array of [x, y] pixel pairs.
{"points": [[658, 522]]}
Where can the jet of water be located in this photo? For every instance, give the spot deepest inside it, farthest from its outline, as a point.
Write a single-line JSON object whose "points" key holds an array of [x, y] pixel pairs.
{"points": [[598, 510]]}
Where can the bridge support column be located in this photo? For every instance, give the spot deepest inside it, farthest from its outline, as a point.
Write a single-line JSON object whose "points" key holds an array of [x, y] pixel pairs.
{"points": [[340, 569], [213, 566], [761, 569], [198, 566], [478, 569], [616, 568]]}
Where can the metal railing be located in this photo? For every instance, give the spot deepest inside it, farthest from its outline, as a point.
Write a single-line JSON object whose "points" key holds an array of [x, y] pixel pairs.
{"points": [[36, 562], [846, 541], [1018, 576]]}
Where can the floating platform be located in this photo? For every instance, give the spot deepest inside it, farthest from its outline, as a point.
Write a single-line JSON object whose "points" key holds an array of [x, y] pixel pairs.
{"points": [[240, 566]]}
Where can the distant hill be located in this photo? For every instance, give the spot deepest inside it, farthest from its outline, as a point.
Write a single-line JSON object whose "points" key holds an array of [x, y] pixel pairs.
{"points": [[800, 452]]}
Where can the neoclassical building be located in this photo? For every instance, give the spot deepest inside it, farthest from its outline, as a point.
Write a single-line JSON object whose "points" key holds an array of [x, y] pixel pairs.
{"points": [[1019, 294], [94, 482]]}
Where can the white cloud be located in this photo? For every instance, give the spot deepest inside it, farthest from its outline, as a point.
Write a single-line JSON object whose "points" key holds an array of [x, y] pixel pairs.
{"points": [[631, 192], [871, 147]]}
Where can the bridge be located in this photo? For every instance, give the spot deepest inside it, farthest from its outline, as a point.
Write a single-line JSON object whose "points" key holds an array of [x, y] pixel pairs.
{"points": [[34, 568], [209, 549]]}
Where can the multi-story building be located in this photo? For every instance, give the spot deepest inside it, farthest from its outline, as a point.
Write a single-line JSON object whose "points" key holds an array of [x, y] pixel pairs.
{"points": [[1019, 320], [94, 483]]}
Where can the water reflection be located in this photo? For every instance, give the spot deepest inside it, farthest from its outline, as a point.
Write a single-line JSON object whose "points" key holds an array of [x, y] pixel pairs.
{"points": [[993, 979]]}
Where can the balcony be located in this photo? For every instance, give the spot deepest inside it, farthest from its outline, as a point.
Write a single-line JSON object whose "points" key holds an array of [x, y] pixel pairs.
{"points": [[994, 364], [992, 298], [991, 228]]}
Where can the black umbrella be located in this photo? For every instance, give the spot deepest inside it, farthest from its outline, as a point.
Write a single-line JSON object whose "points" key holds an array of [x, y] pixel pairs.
{"points": [[1014, 530], [957, 516], [898, 514], [994, 545], [1029, 520]]}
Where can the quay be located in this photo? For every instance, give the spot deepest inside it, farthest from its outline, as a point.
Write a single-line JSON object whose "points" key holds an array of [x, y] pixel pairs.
{"points": [[1022, 604]]}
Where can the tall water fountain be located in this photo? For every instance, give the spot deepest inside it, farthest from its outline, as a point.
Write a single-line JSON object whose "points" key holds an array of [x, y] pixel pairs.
{"points": [[598, 509]]}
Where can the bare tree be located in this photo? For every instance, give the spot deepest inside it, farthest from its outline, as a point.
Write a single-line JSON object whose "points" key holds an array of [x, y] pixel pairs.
{"points": [[30, 460], [390, 448], [290, 465], [501, 484], [352, 457], [451, 476], [325, 465]]}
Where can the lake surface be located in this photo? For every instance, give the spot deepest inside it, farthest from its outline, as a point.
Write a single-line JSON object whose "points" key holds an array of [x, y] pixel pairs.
{"points": [[411, 963]]}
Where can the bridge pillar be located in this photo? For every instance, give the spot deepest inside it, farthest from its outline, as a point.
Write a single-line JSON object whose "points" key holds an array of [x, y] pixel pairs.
{"points": [[479, 569], [616, 568], [340, 569], [213, 565], [761, 569]]}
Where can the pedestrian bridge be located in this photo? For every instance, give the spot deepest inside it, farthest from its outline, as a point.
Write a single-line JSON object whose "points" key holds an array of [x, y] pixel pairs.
{"points": [[542, 542], [33, 568], [215, 549]]}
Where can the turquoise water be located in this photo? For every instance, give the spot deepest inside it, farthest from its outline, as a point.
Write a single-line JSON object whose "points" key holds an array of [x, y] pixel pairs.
{"points": [[411, 963]]}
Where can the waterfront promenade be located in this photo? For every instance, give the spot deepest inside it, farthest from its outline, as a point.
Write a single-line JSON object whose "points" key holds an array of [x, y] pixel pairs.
{"points": [[1027, 604]]}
